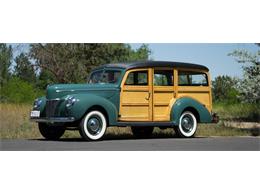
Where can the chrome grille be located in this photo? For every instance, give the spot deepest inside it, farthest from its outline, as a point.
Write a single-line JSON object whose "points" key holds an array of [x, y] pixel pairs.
{"points": [[51, 106]]}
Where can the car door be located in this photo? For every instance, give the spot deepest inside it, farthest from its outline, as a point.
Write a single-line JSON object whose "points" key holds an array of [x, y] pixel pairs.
{"points": [[136, 96], [164, 93]]}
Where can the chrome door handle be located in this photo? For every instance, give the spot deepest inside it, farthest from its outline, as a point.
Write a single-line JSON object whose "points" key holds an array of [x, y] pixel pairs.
{"points": [[149, 94], [174, 94]]}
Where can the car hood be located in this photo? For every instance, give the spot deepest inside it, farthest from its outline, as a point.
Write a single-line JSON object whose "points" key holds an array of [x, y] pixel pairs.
{"points": [[60, 90]]}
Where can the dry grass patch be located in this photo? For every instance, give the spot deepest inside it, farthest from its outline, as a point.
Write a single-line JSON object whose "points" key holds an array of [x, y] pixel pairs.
{"points": [[15, 124]]}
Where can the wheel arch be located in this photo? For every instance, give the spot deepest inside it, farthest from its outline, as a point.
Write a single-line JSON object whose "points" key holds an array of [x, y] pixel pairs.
{"points": [[189, 104], [97, 108], [193, 111], [87, 103]]}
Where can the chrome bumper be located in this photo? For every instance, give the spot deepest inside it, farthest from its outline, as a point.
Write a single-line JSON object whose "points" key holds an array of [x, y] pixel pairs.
{"points": [[53, 119]]}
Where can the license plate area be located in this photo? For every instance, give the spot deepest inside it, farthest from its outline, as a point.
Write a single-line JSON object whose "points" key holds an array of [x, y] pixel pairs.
{"points": [[35, 114]]}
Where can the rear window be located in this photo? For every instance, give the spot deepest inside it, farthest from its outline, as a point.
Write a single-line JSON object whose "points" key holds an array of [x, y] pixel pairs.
{"points": [[192, 79]]}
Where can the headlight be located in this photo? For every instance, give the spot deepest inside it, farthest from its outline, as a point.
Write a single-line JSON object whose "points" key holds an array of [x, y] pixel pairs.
{"points": [[70, 101], [37, 103]]}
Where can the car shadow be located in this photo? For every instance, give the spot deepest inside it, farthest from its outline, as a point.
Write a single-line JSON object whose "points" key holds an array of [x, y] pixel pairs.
{"points": [[112, 137]]}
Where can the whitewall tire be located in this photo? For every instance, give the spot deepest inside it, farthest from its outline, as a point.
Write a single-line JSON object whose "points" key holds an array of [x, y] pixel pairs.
{"points": [[187, 125], [93, 126]]}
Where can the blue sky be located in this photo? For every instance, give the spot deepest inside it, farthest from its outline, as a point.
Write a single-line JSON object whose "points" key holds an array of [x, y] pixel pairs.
{"points": [[213, 55]]}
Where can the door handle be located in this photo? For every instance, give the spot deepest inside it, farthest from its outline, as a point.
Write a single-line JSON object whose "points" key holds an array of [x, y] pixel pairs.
{"points": [[174, 94], [147, 98]]}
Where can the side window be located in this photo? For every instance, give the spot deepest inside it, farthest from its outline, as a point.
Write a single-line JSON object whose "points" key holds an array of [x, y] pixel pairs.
{"points": [[192, 79], [137, 78], [163, 78], [96, 77], [111, 76]]}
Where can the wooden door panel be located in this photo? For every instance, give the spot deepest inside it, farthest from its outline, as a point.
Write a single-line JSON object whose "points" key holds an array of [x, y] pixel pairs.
{"points": [[135, 100], [162, 97], [134, 105], [163, 93]]}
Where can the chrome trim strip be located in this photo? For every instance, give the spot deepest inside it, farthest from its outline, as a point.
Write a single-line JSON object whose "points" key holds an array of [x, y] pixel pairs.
{"points": [[53, 119], [72, 90], [54, 99]]}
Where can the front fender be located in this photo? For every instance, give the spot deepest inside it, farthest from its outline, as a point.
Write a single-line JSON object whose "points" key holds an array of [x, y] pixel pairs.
{"points": [[86, 101], [183, 103]]}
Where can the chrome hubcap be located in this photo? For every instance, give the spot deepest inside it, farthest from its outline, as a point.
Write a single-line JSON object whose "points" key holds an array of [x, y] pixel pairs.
{"points": [[94, 125], [187, 123]]}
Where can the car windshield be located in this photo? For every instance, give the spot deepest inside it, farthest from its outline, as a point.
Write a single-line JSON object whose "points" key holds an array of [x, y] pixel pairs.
{"points": [[107, 76]]}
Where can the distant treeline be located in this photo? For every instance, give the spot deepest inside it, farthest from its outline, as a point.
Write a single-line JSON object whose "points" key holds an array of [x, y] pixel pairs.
{"points": [[25, 76]]}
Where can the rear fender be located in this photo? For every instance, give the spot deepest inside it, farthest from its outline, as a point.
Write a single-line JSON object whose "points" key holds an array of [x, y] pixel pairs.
{"points": [[184, 103]]}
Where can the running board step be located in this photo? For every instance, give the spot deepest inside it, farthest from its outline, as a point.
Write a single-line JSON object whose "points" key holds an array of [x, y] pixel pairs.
{"points": [[155, 124]]}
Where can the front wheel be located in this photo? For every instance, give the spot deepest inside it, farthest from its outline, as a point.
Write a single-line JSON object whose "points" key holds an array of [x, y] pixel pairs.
{"points": [[93, 126], [187, 125], [51, 132]]}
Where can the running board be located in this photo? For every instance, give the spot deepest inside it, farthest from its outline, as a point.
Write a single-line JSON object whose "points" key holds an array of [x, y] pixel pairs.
{"points": [[154, 124]]}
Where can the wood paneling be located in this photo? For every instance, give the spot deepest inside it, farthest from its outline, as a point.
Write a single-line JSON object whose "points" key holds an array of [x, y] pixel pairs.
{"points": [[154, 103], [136, 101]]}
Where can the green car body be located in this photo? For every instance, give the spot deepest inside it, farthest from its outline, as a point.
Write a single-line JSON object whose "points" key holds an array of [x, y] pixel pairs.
{"points": [[87, 96], [66, 105]]}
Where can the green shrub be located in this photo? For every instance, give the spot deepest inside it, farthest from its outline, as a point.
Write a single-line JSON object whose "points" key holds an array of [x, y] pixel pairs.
{"points": [[224, 89], [19, 91], [238, 111]]}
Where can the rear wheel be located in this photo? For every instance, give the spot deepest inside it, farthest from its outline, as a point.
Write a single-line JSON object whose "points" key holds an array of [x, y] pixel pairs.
{"points": [[51, 132], [93, 126], [187, 125], [142, 132]]}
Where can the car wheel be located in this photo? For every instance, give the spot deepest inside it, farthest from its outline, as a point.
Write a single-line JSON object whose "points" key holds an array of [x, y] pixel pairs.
{"points": [[93, 126], [51, 132], [142, 132], [187, 125]]}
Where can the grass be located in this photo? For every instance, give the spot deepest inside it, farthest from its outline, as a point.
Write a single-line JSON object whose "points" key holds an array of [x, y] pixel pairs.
{"points": [[238, 112], [14, 123]]}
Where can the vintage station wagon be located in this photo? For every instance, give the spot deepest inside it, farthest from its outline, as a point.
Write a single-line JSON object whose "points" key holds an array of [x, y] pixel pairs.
{"points": [[142, 95]]}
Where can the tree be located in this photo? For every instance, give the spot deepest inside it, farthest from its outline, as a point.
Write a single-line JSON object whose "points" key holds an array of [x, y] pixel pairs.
{"points": [[19, 91], [224, 89], [68, 63], [44, 79], [5, 63], [249, 86], [24, 69], [140, 54]]}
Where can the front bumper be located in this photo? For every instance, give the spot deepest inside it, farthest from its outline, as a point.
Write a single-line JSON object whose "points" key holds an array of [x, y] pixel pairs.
{"points": [[53, 119]]}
